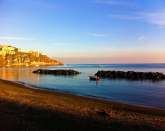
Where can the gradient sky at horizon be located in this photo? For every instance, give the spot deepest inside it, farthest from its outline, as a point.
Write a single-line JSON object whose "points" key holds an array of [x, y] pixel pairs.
{"points": [[87, 31]]}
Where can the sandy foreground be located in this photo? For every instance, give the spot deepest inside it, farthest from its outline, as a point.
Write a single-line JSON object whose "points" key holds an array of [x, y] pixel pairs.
{"points": [[30, 109]]}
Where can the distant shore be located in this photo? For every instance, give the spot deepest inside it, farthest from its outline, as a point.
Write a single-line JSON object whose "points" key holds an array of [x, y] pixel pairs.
{"points": [[33, 109], [32, 65]]}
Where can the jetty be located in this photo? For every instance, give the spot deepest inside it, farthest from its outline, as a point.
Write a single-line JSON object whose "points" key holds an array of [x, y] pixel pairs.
{"points": [[56, 72], [131, 75]]}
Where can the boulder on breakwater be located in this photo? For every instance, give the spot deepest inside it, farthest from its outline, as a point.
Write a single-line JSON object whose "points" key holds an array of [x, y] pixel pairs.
{"points": [[132, 75], [56, 72]]}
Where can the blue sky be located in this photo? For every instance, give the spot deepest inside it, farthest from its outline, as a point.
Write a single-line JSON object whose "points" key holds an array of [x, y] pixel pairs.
{"points": [[87, 31]]}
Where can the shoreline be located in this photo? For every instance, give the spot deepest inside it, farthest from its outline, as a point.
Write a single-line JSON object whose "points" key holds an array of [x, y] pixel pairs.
{"points": [[101, 99], [83, 107], [30, 66]]}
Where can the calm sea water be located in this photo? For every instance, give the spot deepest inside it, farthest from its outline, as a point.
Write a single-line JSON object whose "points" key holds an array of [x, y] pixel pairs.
{"points": [[145, 93]]}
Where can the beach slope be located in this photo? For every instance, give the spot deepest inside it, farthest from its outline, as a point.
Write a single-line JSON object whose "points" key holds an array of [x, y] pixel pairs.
{"points": [[23, 108]]}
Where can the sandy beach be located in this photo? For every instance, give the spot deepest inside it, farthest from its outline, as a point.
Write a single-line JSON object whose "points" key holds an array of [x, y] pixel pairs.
{"points": [[23, 108]]}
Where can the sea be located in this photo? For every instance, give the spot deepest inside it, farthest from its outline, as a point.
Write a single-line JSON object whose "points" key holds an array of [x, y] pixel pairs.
{"points": [[136, 92]]}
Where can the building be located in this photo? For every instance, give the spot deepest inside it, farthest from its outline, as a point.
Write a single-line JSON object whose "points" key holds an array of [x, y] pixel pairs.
{"points": [[12, 56], [7, 50]]}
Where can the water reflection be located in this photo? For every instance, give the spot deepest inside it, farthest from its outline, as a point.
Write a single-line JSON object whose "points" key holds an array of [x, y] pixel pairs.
{"points": [[19, 74], [134, 92]]}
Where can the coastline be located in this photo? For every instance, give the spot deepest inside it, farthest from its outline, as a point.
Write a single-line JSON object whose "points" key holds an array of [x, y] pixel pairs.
{"points": [[32, 65], [80, 108], [95, 98]]}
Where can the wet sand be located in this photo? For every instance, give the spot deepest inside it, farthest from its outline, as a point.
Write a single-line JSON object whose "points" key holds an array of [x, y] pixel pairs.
{"points": [[23, 108]]}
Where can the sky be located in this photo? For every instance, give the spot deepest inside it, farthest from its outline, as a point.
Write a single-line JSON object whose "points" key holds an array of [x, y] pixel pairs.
{"points": [[87, 31]]}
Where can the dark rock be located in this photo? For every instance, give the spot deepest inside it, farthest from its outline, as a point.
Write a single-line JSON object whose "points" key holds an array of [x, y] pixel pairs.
{"points": [[57, 72], [103, 113], [132, 75]]}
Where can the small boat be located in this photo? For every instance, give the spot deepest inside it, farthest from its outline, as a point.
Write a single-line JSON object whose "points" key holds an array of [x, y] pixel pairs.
{"points": [[94, 78]]}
